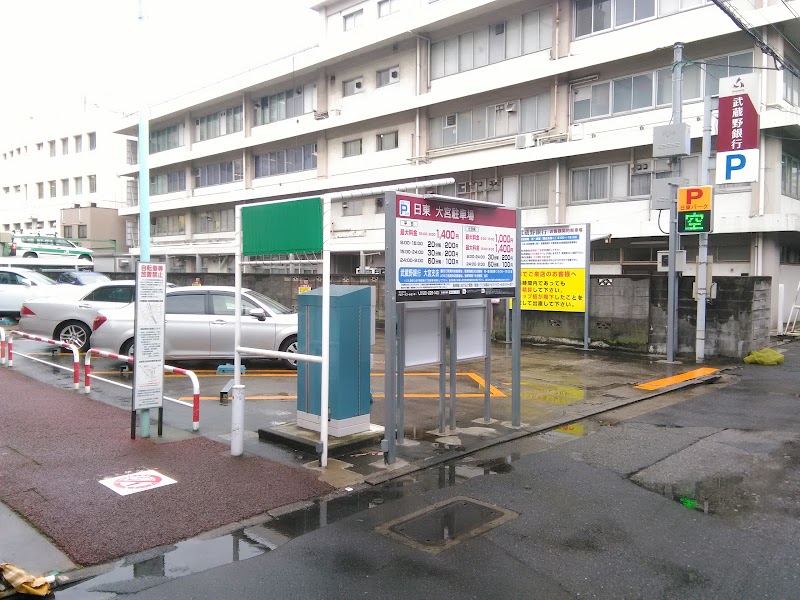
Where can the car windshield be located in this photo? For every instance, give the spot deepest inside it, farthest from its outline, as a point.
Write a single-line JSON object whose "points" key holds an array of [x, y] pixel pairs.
{"points": [[90, 277], [273, 305], [38, 278]]}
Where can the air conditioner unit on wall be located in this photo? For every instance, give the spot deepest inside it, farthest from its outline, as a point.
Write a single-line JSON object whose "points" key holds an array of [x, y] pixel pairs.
{"points": [[525, 140]]}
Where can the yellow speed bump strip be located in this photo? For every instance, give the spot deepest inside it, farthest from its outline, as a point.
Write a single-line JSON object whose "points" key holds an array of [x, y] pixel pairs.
{"points": [[667, 381]]}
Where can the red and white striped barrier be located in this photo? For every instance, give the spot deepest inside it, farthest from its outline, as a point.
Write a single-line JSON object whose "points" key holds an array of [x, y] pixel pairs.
{"points": [[76, 378], [2, 346], [87, 374]]}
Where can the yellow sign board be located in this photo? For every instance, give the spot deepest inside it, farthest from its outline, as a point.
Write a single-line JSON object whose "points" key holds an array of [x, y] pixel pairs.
{"points": [[303, 288], [694, 198], [553, 290]]}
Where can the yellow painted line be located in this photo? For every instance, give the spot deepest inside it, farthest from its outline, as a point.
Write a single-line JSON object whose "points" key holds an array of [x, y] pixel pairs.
{"points": [[667, 381], [465, 395], [493, 391]]}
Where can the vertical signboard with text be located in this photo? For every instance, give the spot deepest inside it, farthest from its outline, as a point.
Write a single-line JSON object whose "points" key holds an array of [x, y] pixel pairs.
{"points": [[695, 209], [148, 371], [738, 131], [453, 251], [555, 268]]}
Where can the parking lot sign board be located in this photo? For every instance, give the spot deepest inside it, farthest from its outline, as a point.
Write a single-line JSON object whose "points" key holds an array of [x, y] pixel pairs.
{"points": [[738, 130], [148, 372], [447, 250], [695, 209]]}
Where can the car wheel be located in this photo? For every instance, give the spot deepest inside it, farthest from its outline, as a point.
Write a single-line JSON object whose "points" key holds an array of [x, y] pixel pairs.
{"points": [[85, 257], [289, 345], [127, 348], [73, 332], [30, 255]]}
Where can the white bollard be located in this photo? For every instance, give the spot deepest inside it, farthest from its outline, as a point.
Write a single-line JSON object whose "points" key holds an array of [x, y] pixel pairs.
{"points": [[237, 421]]}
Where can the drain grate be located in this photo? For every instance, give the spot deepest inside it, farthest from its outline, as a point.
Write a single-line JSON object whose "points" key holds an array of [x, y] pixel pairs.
{"points": [[440, 526]]}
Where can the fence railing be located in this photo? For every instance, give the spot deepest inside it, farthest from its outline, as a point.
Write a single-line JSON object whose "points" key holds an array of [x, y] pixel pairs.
{"points": [[76, 377]]}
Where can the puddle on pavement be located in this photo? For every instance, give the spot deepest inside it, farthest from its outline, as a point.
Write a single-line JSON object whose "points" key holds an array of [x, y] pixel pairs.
{"points": [[147, 569], [724, 495]]}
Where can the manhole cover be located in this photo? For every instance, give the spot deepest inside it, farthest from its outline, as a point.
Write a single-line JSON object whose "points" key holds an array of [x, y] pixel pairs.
{"points": [[437, 527]]}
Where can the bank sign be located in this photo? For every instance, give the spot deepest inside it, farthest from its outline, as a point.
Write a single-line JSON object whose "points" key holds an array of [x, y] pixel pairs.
{"points": [[451, 251], [738, 131]]}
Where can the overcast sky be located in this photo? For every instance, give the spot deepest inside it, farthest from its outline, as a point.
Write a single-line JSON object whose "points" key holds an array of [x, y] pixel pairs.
{"points": [[58, 52]]}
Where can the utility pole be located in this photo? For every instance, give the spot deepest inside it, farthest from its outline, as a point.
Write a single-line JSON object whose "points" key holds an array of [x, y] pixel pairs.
{"points": [[709, 104], [674, 239]]}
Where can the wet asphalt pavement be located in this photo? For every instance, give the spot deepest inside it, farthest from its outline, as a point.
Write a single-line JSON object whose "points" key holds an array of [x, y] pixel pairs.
{"points": [[690, 494]]}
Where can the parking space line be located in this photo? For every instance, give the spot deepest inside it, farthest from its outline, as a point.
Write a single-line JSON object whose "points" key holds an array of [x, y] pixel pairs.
{"points": [[667, 381]]}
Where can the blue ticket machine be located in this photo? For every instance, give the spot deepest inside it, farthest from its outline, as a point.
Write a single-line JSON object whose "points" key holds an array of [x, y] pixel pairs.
{"points": [[349, 395]]}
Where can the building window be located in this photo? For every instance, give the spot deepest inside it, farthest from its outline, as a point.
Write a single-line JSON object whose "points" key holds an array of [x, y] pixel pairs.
{"points": [[163, 139], [291, 160], [52, 144], [218, 124], [386, 141], [647, 90], [380, 207], [228, 171], [65, 187], [495, 120], [64, 145], [353, 86], [40, 189], [351, 148], [535, 190], [7, 190], [593, 16], [284, 105], [168, 225], [17, 189], [167, 183], [82, 232], [67, 231], [78, 185], [39, 147], [214, 221], [386, 7], [610, 182], [790, 176], [92, 184], [93, 140], [52, 185], [791, 88], [388, 76], [132, 192], [353, 20], [521, 35], [352, 208], [132, 151], [78, 143]]}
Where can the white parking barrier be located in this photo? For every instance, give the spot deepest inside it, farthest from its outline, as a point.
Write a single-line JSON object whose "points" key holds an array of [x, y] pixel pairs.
{"points": [[2, 346], [71, 347], [195, 404]]}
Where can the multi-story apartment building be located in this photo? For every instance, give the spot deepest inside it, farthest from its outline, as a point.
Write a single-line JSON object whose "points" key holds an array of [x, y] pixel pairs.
{"points": [[548, 106], [49, 166]]}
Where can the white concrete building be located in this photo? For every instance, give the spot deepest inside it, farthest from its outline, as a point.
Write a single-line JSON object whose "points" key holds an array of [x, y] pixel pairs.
{"points": [[549, 106], [52, 164]]}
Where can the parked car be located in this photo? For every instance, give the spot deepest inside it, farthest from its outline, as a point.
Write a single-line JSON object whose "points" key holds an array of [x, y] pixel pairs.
{"points": [[81, 277], [199, 324], [18, 285], [35, 246], [68, 317]]}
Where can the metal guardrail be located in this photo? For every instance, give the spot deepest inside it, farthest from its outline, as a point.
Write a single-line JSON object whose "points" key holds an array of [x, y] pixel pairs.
{"points": [[195, 405], [71, 347]]}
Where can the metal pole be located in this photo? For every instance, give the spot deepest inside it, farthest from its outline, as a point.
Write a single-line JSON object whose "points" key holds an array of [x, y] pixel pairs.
{"points": [[237, 421], [237, 283], [508, 321], [326, 328], [702, 241], [390, 310], [144, 192], [453, 361], [587, 287], [401, 372], [674, 241], [487, 367], [442, 366], [516, 332]]}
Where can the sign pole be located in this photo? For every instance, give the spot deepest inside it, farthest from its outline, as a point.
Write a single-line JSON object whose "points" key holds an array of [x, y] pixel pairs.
{"points": [[587, 289], [453, 361], [401, 373], [674, 239], [442, 367], [516, 328], [487, 367], [390, 382]]}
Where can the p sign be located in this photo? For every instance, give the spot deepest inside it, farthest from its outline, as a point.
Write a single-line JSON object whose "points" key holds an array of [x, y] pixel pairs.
{"points": [[695, 209], [738, 166]]}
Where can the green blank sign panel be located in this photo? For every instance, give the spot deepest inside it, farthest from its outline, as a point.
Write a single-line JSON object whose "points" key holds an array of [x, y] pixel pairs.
{"points": [[282, 227], [695, 221]]}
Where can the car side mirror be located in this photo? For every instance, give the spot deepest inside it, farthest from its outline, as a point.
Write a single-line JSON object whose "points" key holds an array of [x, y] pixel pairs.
{"points": [[258, 313]]}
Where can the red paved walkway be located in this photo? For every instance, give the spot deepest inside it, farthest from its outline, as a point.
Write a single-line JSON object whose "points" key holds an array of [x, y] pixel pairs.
{"points": [[55, 445]]}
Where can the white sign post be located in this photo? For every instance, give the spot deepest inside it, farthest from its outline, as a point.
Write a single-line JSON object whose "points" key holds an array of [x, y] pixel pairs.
{"points": [[148, 367]]}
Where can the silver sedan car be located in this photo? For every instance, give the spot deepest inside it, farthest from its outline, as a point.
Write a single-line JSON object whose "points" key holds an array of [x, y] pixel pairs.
{"points": [[68, 316], [199, 324]]}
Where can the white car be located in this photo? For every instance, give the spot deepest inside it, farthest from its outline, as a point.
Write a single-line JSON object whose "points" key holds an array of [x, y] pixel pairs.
{"points": [[18, 285], [68, 317], [199, 324]]}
